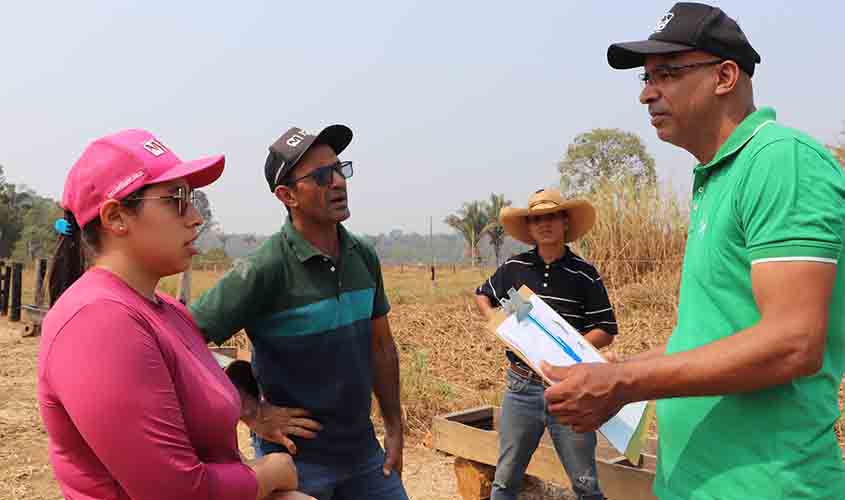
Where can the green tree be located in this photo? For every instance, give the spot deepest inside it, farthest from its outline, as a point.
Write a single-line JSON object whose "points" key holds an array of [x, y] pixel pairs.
{"points": [[610, 154], [10, 220], [37, 215], [494, 230], [470, 221]]}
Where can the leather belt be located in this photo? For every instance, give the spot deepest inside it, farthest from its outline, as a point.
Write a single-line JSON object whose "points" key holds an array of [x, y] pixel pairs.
{"points": [[526, 372]]}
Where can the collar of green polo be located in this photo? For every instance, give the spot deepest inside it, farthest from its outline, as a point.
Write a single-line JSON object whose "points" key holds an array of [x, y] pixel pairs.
{"points": [[304, 250], [747, 129]]}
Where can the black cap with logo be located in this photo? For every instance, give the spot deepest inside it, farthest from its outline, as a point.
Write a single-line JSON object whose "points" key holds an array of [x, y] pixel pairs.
{"points": [[292, 145], [687, 27]]}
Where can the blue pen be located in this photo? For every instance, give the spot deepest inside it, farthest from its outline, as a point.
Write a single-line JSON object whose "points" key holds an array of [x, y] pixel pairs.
{"points": [[568, 350]]}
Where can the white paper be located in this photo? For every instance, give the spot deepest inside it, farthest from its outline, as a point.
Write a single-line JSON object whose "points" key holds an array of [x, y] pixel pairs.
{"points": [[537, 346], [222, 359]]}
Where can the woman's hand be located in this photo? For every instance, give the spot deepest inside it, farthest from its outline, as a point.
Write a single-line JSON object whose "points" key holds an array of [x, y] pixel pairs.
{"points": [[275, 472], [290, 495]]}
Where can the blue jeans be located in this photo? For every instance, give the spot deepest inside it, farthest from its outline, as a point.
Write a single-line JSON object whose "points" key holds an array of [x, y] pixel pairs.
{"points": [[347, 481], [524, 418]]}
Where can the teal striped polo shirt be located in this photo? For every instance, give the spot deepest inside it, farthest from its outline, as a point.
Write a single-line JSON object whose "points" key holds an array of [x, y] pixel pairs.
{"points": [[309, 318]]}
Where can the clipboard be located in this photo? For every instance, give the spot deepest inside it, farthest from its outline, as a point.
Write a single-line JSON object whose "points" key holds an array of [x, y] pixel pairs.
{"points": [[535, 332]]}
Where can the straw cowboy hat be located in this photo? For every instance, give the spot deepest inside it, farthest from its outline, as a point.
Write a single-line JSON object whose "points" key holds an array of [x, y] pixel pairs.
{"points": [[581, 215]]}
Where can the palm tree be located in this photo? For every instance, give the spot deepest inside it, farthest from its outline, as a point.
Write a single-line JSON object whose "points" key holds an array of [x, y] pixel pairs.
{"points": [[470, 221], [494, 229]]}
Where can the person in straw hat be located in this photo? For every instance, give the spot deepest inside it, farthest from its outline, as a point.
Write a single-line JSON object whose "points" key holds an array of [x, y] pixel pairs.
{"points": [[573, 288]]}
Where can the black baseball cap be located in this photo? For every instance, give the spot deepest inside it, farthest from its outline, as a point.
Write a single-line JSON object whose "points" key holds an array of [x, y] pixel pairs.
{"points": [[292, 145], [687, 27]]}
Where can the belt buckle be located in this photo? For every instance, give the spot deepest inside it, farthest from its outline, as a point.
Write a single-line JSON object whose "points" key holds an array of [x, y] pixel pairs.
{"points": [[525, 372]]}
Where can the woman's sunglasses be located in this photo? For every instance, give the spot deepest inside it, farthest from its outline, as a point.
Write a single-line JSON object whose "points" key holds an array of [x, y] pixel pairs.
{"points": [[182, 196]]}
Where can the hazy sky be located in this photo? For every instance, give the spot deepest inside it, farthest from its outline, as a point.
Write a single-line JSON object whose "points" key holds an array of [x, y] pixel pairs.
{"points": [[449, 101]]}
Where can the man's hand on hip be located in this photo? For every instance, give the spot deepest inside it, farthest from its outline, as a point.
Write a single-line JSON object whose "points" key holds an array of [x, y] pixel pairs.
{"points": [[276, 424]]}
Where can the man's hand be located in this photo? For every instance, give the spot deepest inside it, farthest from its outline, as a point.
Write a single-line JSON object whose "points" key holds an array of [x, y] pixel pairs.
{"points": [[394, 442], [386, 388], [275, 424], [584, 395]]}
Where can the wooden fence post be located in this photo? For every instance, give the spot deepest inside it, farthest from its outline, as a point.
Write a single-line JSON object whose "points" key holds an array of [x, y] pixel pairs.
{"points": [[17, 278], [39, 282], [4, 288]]}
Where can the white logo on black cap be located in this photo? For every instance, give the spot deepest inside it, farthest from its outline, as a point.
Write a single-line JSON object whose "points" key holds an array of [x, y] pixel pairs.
{"points": [[155, 147], [297, 137], [661, 25]]}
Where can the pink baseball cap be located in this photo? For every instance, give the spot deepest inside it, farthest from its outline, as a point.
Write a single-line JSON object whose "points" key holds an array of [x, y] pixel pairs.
{"points": [[117, 165]]}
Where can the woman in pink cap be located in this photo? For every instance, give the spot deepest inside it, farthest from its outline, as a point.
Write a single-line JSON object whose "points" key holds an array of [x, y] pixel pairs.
{"points": [[134, 403]]}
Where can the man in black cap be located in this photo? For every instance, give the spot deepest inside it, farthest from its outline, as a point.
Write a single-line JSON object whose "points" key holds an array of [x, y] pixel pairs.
{"points": [[748, 383], [311, 299]]}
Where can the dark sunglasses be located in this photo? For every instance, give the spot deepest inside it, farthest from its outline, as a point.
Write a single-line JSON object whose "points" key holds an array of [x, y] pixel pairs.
{"points": [[182, 196], [323, 175]]}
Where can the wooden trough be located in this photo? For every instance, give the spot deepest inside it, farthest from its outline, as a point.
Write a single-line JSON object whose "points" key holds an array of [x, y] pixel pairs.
{"points": [[33, 314], [32, 317], [470, 435]]}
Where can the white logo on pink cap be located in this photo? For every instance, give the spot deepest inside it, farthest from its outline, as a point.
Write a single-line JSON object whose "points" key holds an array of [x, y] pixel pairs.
{"points": [[120, 186], [155, 147]]}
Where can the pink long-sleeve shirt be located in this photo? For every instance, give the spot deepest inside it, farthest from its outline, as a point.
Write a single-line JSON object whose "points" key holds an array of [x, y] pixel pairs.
{"points": [[134, 403]]}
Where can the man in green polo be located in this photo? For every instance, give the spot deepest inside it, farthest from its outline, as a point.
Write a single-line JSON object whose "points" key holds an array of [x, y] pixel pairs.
{"points": [[312, 301], [747, 385]]}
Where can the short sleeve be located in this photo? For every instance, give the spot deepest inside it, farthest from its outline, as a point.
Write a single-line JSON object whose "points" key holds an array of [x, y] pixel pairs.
{"points": [[236, 300], [381, 306], [597, 309], [496, 287], [791, 204]]}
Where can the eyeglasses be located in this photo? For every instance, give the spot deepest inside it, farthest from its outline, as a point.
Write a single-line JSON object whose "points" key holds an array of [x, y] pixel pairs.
{"points": [[323, 175], [182, 196], [664, 72]]}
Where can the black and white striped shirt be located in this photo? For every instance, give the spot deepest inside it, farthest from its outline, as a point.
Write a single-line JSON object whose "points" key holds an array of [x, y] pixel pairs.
{"points": [[570, 285]]}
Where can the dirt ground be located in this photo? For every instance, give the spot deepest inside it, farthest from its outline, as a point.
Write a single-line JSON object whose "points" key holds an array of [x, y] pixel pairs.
{"points": [[25, 473]]}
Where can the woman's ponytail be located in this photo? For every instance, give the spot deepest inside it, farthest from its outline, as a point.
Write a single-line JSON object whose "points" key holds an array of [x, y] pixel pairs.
{"points": [[69, 257]]}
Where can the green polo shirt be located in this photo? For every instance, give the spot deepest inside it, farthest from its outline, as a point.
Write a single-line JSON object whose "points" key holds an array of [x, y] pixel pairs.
{"points": [[309, 318], [770, 194]]}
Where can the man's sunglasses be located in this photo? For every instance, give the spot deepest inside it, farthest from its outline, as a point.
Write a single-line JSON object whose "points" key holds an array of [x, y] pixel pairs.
{"points": [[183, 198], [665, 72], [323, 175]]}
